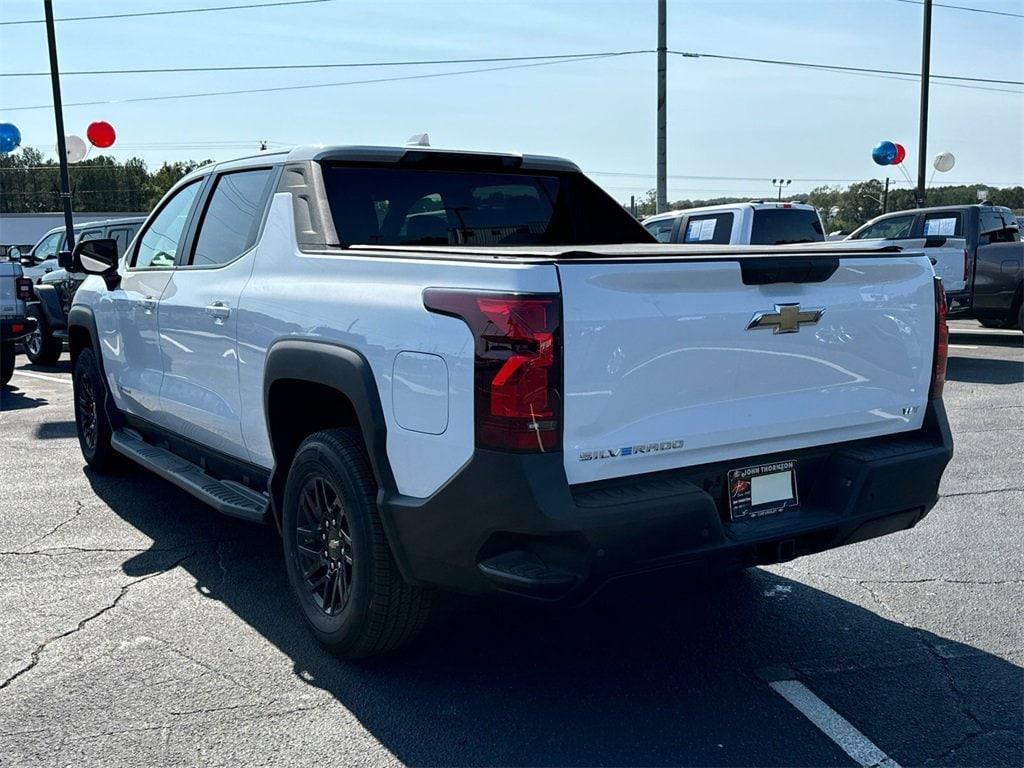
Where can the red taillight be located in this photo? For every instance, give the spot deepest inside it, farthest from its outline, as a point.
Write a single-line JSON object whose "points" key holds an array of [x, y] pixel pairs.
{"points": [[17, 328], [517, 365], [24, 288], [941, 341]]}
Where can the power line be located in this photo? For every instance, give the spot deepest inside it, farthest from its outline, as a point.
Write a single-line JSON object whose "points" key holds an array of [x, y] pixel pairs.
{"points": [[840, 68], [309, 86], [566, 59], [169, 12], [965, 8], [506, 59], [339, 65]]}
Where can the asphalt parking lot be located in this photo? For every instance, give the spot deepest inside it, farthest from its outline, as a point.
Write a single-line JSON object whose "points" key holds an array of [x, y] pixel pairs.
{"points": [[139, 628]]}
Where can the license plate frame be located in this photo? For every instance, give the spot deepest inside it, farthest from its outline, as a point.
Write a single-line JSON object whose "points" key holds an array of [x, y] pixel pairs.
{"points": [[745, 484]]}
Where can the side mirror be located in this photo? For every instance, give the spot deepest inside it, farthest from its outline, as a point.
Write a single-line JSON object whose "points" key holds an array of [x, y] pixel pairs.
{"points": [[95, 257]]}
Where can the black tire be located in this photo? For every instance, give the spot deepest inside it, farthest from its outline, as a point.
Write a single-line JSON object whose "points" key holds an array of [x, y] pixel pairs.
{"points": [[991, 322], [41, 347], [91, 418], [339, 564], [6, 362]]}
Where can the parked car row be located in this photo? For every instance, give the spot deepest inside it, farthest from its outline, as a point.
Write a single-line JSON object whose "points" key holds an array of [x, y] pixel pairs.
{"points": [[979, 255], [55, 288], [976, 249]]}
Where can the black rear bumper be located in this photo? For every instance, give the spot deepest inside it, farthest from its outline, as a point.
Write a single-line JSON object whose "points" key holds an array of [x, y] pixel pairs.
{"points": [[511, 523], [13, 330]]}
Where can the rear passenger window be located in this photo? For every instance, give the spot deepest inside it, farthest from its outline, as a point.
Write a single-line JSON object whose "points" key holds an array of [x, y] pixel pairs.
{"points": [[232, 218], [712, 229], [662, 230], [943, 225], [90, 234], [120, 236], [893, 228]]}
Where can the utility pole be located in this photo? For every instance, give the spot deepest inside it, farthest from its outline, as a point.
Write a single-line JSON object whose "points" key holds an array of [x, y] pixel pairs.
{"points": [[662, 199], [926, 66], [885, 196], [58, 111]]}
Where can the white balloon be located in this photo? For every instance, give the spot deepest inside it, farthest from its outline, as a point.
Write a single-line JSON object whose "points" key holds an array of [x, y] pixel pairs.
{"points": [[76, 148], [944, 161]]}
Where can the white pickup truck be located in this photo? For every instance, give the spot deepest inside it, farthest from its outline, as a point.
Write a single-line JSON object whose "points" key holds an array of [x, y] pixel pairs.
{"points": [[476, 372]]}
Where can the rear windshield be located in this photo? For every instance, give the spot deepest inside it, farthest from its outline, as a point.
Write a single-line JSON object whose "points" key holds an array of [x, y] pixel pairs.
{"points": [[785, 226], [396, 206]]}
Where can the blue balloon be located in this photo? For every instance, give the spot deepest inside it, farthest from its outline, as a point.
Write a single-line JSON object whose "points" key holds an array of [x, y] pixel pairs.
{"points": [[884, 153], [10, 138]]}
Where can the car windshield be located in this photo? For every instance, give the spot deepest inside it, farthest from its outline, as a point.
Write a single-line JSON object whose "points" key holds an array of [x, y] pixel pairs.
{"points": [[786, 226], [396, 206]]}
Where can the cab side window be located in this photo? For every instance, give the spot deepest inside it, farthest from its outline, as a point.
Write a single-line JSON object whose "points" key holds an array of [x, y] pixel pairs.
{"points": [[48, 248], [231, 222], [997, 227], [159, 243], [889, 229], [90, 234], [713, 229], [943, 225], [662, 230]]}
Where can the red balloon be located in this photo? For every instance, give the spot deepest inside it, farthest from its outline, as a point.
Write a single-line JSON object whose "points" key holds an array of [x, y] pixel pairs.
{"points": [[100, 134], [901, 153]]}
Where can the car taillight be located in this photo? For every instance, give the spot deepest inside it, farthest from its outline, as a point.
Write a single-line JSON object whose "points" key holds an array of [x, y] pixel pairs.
{"points": [[941, 352], [24, 285], [517, 365], [967, 265]]}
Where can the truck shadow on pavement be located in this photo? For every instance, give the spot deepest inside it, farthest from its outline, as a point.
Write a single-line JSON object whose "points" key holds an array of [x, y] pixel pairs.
{"points": [[977, 370], [13, 398], [640, 676]]}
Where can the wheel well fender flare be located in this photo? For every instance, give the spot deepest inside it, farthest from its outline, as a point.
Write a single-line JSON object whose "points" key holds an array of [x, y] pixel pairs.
{"points": [[339, 368], [49, 305]]}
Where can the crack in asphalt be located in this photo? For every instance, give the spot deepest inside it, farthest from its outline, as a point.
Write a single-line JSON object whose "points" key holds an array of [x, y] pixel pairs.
{"points": [[965, 741], [977, 729], [37, 653], [978, 493], [74, 515], [925, 580], [60, 551]]}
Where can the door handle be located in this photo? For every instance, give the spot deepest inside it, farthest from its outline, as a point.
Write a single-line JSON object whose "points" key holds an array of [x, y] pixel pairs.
{"points": [[219, 311], [149, 304]]}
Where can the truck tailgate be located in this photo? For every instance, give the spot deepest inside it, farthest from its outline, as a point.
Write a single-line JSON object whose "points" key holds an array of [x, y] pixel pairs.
{"points": [[662, 371]]}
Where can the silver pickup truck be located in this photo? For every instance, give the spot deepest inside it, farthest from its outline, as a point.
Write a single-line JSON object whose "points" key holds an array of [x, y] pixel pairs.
{"points": [[15, 289]]}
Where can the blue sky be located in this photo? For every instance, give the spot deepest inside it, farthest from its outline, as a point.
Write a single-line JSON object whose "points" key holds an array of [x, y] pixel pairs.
{"points": [[726, 119]]}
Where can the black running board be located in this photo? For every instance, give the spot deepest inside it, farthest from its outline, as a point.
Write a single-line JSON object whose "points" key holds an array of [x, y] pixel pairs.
{"points": [[226, 497]]}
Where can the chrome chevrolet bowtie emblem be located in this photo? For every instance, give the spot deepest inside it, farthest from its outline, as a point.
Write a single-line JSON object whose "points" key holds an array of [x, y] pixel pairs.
{"points": [[787, 318]]}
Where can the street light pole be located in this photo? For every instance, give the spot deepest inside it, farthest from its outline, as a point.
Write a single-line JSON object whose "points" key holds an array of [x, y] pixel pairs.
{"points": [[922, 142], [780, 183], [662, 192], [58, 111]]}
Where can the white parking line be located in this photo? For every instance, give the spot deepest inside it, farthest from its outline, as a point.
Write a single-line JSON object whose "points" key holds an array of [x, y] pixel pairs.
{"points": [[989, 331], [41, 376], [832, 724], [962, 346]]}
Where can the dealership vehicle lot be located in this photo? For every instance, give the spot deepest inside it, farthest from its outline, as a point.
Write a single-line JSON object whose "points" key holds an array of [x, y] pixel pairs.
{"points": [[138, 627]]}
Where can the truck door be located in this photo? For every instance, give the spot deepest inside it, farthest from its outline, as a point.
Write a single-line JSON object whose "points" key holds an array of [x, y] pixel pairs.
{"points": [[127, 317], [199, 393]]}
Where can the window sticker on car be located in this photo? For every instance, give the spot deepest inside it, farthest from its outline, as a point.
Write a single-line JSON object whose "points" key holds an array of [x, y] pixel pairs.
{"points": [[700, 230], [940, 227]]}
